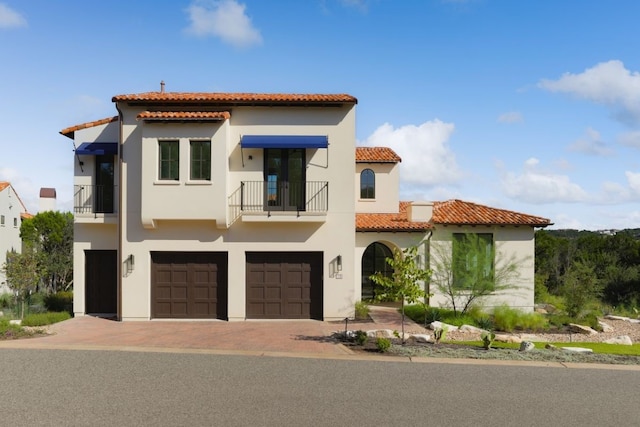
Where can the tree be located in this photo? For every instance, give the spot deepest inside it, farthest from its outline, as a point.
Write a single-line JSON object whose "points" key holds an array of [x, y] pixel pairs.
{"points": [[22, 274], [471, 269], [407, 281], [581, 287], [51, 235]]}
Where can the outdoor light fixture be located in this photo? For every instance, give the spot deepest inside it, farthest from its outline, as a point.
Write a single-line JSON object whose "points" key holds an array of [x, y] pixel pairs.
{"points": [[130, 262], [339, 262]]}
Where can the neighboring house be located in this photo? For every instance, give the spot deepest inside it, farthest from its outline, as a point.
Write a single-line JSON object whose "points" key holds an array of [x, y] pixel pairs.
{"points": [[242, 206], [12, 212]]}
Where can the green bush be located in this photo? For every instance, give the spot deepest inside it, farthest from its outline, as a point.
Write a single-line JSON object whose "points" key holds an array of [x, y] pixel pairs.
{"points": [[362, 310], [7, 300], [361, 337], [508, 319], [41, 319], [60, 301], [383, 344]]}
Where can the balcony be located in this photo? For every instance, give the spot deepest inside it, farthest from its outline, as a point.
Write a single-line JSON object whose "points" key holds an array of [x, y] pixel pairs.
{"points": [[258, 201], [94, 201]]}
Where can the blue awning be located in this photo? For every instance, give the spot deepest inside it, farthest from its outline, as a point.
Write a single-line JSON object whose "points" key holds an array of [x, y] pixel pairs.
{"points": [[284, 141], [97, 148]]}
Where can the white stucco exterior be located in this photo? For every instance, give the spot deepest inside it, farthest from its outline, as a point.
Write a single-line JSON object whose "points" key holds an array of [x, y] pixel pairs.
{"points": [[11, 211]]}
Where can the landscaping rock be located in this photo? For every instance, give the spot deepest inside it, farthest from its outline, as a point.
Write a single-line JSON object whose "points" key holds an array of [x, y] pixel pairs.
{"points": [[470, 328], [508, 338], [15, 322], [605, 326], [636, 321], [577, 349], [581, 329], [380, 333], [622, 340], [532, 337], [551, 347], [439, 325], [527, 346], [419, 338], [612, 317]]}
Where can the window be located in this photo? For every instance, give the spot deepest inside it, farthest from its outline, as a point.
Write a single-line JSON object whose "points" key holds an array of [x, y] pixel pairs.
{"points": [[473, 260], [367, 184], [169, 160], [201, 160], [15, 222], [1, 219]]}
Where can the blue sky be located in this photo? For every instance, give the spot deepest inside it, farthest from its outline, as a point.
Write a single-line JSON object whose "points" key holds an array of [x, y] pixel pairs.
{"points": [[529, 105]]}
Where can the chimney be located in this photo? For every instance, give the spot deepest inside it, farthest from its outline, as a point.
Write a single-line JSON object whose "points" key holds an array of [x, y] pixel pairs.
{"points": [[47, 199], [420, 211], [162, 86]]}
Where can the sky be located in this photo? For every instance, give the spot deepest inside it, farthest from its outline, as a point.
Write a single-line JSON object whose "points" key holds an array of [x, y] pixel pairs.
{"points": [[528, 105]]}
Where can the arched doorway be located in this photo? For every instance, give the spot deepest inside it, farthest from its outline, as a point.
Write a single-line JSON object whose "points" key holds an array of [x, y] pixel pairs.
{"points": [[373, 261]]}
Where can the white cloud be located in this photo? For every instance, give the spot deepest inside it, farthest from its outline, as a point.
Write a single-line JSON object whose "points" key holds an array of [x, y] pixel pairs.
{"points": [[630, 139], [9, 18], [608, 83], [634, 181], [534, 185], [225, 19], [591, 144], [511, 117], [427, 159]]}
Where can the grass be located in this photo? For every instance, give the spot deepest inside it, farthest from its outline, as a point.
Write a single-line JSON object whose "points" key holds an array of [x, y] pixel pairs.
{"points": [[42, 319], [11, 332]]}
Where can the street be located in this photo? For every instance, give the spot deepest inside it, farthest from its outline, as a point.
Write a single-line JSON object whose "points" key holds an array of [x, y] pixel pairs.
{"points": [[77, 388]]}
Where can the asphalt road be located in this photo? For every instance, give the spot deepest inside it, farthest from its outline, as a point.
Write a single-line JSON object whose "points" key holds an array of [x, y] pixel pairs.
{"points": [[118, 388]]}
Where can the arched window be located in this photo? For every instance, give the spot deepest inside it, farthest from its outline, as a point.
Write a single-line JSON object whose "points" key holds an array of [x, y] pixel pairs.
{"points": [[367, 184]]}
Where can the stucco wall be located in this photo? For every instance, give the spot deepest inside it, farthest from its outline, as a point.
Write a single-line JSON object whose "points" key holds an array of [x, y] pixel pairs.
{"points": [[11, 208], [387, 181]]}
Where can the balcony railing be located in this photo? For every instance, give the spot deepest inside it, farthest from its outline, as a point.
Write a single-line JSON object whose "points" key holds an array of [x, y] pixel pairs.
{"points": [[282, 196], [94, 199]]}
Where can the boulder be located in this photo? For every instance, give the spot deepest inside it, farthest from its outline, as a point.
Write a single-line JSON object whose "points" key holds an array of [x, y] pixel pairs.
{"points": [[581, 329], [439, 325], [527, 346], [612, 317], [508, 338], [622, 339], [605, 326], [636, 321], [470, 328], [532, 337], [380, 333], [549, 346], [15, 322], [420, 338]]}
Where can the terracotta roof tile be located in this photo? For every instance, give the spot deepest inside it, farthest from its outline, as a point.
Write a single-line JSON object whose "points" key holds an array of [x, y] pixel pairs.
{"points": [[376, 155], [458, 212], [184, 115], [3, 185], [47, 193], [235, 98], [394, 222], [68, 132]]}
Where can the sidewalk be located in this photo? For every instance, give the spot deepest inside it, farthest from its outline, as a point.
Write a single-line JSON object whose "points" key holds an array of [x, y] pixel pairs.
{"points": [[250, 337]]}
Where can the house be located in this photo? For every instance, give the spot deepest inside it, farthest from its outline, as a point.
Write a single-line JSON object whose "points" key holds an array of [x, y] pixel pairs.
{"points": [[12, 212], [240, 206]]}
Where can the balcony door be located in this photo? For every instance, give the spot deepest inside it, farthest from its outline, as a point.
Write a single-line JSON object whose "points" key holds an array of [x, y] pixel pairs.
{"points": [[103, 193], [284, 179]]}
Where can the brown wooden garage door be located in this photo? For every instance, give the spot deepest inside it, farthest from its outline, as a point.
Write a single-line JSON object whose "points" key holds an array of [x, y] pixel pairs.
{"points": [[189, 285], [284, 285]]}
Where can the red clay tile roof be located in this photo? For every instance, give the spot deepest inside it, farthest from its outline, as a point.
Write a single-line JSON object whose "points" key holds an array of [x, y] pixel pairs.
{"points": [[376, 155], [68, 132], [47, 193], [451, 212], [396, 222], [184, 115], [26, 215], [235, 98], [3, 185], [458, 212]]}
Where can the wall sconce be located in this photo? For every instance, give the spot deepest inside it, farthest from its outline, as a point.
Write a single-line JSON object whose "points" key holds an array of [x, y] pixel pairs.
{"points": [[339, 262], [130, 262]]}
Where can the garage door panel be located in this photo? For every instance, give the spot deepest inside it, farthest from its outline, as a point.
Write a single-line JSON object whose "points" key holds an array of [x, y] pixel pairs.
{"points": [[290, 286], [189, 285]]}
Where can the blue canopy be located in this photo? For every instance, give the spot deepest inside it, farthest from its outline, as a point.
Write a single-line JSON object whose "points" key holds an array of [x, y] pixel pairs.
{"points": [[284, 141], [97, 148]]}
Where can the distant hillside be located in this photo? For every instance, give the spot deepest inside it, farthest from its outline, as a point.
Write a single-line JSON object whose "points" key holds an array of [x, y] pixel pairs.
{"points": [[574, 234]]}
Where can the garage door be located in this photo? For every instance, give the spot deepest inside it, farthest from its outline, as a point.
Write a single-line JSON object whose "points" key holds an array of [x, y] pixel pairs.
{"points": [[284, 285], [189, 285]]}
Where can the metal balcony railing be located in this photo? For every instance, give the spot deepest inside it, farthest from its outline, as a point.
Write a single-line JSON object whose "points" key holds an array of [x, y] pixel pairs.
{"points": [[273, 196], [94, 199]]}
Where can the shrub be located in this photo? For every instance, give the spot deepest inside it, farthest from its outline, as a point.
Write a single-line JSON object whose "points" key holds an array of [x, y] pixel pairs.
{"points": [[361, 337], [7, 300], [60, 301], [362, 310], [508, 319], [383, 344], [487, 339], [439, 334], [41, 319], [484, 322]]}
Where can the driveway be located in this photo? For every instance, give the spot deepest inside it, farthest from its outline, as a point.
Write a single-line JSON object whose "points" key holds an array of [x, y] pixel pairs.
{"points": [[306, 337]]}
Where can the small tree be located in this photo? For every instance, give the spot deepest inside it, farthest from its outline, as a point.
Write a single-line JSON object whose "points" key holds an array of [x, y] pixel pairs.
{"points": [[474, 270], [405, 282], [581, 287], [22, 275]]}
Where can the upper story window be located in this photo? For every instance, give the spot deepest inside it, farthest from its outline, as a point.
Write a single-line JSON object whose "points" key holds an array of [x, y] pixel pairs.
{"points": [[169, 160], [1, 219], [367, 184], [15, 222], [473, 261], [200, 160]]}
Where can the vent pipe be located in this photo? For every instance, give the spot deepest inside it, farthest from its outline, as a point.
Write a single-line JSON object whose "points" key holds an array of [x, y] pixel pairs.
{"points": [[162, 86]]}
